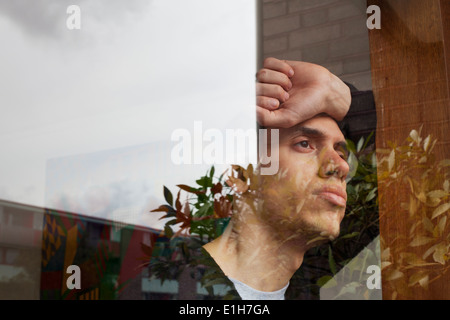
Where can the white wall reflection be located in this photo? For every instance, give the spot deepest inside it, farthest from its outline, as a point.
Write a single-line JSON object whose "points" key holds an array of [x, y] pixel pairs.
{"points": [[87, 114]]}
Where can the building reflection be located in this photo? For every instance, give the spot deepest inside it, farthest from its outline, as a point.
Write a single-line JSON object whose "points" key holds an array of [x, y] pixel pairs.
{"points": [[37, 245]]}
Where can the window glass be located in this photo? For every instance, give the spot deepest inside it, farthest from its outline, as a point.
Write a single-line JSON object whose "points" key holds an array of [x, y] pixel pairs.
{"points": [[133, 158], [93, 94]]}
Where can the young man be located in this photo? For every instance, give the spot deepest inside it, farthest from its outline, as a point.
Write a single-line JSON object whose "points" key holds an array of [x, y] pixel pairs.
{"points": [[303, 204]]}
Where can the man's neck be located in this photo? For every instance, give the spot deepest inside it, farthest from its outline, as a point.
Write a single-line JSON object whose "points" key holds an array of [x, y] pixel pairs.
{"points": [[251, 252]]}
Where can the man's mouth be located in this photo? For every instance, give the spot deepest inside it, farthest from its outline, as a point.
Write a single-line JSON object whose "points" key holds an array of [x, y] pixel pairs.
{"points": [[333, 194]]}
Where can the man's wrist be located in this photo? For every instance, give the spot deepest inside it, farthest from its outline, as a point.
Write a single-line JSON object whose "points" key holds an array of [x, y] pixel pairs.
{"points": [[338, 98]]}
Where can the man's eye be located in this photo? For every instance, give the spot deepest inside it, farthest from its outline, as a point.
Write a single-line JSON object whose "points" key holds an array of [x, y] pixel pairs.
{"points": [[303, 144]]}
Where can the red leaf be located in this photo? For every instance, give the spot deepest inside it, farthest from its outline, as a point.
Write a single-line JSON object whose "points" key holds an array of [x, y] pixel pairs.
{"points": [[178, 203], [222, 207], [217, 188], [163, 208], [189, 189]]}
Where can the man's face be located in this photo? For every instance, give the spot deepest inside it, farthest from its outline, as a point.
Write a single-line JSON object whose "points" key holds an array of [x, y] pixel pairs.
{"points": [[308, 196]]}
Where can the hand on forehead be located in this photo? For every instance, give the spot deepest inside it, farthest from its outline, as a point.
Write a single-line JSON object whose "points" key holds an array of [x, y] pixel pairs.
{"points": [[303, 90]]}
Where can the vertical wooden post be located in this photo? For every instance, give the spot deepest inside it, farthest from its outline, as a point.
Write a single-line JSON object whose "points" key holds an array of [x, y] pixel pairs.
{"points": [[410, 59]]}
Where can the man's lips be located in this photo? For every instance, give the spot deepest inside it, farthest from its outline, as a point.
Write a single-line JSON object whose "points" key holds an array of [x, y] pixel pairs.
{"points": [[334, 194]]}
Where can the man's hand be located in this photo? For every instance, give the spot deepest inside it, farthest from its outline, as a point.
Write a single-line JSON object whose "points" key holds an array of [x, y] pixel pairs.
{"points": [[290, 92]]}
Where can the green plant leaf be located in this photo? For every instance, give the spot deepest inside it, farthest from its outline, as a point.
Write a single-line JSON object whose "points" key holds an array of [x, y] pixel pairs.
{"points": [[205, 210], [350, 235], [350, 146], [360, 144], [171, 222], [349, 288], [168, 231], [371, 195], [367, 140], [326, 282], [168, 196], [331, 261], [204, 182]]}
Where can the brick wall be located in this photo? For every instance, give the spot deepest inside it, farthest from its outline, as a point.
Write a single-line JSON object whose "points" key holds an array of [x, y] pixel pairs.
{"points": [[331, 33]]}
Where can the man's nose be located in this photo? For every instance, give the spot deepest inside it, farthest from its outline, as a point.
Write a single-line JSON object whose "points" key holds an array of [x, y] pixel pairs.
{"points": [[333, 165]]}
